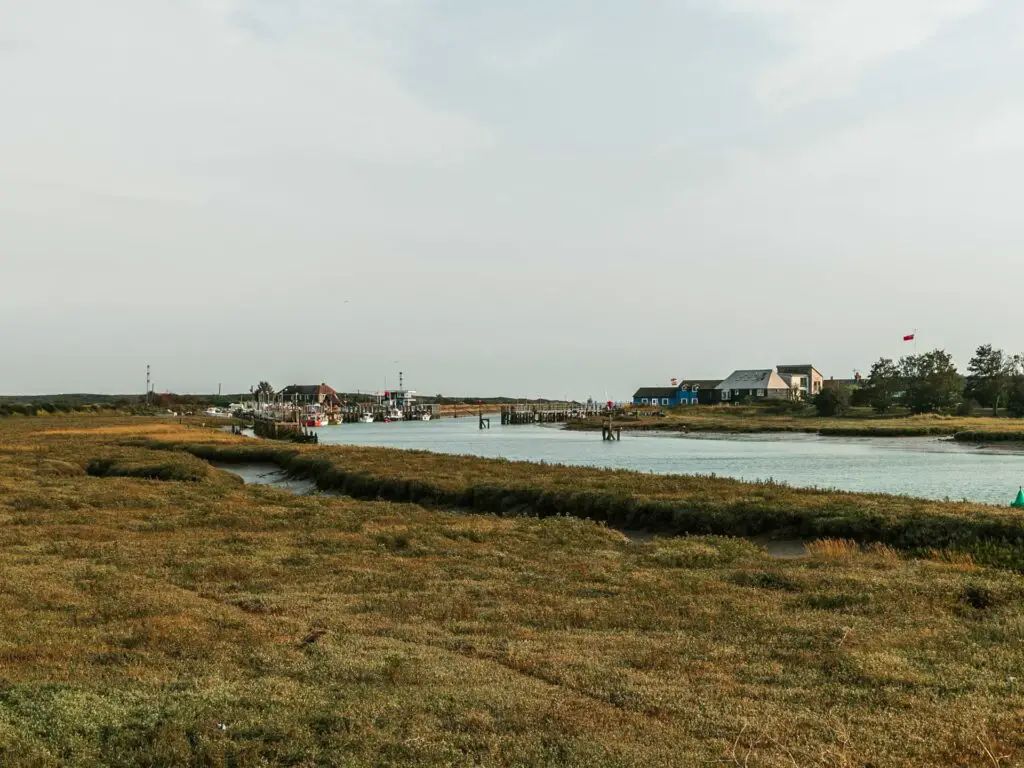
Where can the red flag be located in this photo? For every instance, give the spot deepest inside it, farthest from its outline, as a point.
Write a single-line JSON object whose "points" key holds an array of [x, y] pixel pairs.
{"points": [[909, 337]]}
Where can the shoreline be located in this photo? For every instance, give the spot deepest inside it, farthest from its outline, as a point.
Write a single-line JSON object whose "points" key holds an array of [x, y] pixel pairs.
{"points": [[993, 446], [961, 431]]}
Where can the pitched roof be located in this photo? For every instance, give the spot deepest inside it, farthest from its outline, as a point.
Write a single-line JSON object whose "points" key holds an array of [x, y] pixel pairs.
{"points": [[311, 391], [761, 378], [699, 383], [308, 390], [656, 392], [797, 369]]}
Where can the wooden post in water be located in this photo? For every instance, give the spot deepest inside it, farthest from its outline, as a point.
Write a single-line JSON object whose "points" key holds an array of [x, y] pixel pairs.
{"points": [[609, 431], [484, 423]]}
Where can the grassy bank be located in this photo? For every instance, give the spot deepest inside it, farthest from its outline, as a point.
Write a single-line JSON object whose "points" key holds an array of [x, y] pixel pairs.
{"points": [[670, 504], [165, 617], [858, 423]]}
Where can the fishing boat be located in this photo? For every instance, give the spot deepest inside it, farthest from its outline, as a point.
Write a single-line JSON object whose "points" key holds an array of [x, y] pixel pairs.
{"points": [[366, 418], [425, 417], [394, 414], [315, 420]]}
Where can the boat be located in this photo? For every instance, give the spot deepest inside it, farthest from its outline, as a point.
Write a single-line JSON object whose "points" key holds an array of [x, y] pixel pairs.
{"points": [[315, 420], [394, 414], [366, 418], [425, 417]]}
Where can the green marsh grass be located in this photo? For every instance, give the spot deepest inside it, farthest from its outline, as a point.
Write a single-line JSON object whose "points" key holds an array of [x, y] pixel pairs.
{"points": [[668, 504], [201, 622]]}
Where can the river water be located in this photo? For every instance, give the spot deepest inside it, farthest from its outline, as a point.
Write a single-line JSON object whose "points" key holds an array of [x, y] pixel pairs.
{"points": [[925, 467]]}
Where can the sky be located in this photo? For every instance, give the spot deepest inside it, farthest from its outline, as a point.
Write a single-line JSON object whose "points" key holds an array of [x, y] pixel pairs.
{"points": [[544, 197]]}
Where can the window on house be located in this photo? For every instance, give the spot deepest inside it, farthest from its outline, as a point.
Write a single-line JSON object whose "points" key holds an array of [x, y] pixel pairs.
{"points": [[726, 394], [760, 393], [664, 401], [643, 401]]}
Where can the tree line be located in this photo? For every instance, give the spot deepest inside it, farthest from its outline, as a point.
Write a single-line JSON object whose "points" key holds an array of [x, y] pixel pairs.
{"points": [[930, 383]]}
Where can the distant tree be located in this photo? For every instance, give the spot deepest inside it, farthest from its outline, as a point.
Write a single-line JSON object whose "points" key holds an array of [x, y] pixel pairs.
{"points": [[931, 382], [884, 385], [860, 396], [989, 375], [1015, 395], [832, 401], [265, 390]]}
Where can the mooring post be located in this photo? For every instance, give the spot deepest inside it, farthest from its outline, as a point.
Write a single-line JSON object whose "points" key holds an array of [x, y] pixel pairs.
{"points": [[609, 431]]}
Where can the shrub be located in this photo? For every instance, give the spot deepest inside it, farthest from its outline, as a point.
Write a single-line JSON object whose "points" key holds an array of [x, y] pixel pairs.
{"points": [[1015, 397], [967, 408], [785, 407], [978, 597], [832, 401]]}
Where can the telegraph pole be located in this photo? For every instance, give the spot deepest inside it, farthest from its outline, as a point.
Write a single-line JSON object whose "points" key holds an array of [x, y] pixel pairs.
{"points": [[147, 384]]}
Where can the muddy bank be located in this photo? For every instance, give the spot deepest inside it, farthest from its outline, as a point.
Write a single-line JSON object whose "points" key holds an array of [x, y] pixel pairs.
{"points": [[269, 474]]}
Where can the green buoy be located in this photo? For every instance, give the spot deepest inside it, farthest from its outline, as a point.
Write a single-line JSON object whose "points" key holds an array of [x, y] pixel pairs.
{"points": [[1019, 501]]}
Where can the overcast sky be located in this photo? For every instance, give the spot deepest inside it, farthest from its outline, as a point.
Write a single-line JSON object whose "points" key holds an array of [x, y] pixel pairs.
{"points": [[539, 197]]}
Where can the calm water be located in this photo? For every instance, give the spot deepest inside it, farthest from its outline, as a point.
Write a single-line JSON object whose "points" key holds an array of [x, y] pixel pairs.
{"points": [[925, 467]]}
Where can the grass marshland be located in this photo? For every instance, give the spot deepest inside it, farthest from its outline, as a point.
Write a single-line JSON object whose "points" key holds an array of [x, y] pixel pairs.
{"points": [[191, 620], [858, 422], [669, 504]]}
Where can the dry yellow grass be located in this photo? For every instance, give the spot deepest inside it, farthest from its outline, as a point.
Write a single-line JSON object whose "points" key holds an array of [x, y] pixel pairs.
{"points": [[205, 622]]}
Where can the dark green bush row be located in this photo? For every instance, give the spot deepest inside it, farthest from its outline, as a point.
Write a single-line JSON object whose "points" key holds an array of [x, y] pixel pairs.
{"points": [[172, 470], [34, 409], [46, 408]]}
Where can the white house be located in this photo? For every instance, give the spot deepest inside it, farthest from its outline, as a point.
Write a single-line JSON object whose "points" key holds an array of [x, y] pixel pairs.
{"points": [[763, 383]]}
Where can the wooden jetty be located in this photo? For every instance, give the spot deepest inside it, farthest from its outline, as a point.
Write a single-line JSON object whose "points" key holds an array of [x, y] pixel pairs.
{"points": [[273, 429], [548, 413]]}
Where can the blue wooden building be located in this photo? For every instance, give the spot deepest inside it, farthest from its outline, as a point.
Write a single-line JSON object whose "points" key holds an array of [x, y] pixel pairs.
{"points": [[682, 393]]}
